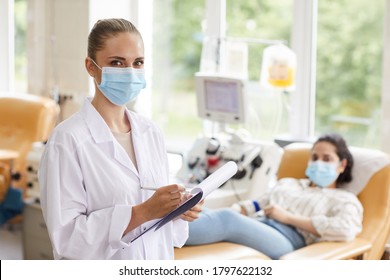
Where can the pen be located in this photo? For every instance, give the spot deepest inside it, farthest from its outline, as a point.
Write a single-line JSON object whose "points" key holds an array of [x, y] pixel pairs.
{"points": [[155, 189], [149, 188]]}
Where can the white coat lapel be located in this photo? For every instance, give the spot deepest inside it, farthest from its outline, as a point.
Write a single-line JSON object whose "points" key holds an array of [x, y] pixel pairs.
{"points": [[101, 133], [140, 130]]}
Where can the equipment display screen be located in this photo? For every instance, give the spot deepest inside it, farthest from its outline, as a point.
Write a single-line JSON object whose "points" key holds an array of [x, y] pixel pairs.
{"points": [[222, 96]]}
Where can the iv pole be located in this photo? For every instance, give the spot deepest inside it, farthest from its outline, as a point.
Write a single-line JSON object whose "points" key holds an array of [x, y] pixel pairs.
{"points": [[212, 58]]}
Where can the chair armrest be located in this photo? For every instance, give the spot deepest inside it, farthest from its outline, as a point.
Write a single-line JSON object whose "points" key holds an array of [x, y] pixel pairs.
{"points": [[330, 250], [218, 251], [5, 178]]}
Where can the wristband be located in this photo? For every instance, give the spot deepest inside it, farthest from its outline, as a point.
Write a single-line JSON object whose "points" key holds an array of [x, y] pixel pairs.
{"points": [[250, 206], [257, 206]]}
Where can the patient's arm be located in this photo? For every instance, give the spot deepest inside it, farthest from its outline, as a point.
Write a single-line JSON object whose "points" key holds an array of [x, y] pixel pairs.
{"points": [[281, 215]]}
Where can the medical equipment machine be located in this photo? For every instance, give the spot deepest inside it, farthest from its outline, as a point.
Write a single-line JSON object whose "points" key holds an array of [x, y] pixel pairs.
{"points": [[33, 158], [221, 100]]}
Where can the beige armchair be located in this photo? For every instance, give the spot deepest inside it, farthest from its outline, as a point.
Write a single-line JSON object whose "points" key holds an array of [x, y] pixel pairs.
{"points": [[372, 183], [24, 119]]}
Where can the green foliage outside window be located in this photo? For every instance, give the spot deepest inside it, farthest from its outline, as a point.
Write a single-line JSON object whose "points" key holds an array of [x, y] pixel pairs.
{"points": [[349, 64]]}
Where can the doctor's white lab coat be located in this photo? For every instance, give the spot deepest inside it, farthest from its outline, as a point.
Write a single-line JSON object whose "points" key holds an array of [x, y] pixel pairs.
{"points": [[89, 185]]}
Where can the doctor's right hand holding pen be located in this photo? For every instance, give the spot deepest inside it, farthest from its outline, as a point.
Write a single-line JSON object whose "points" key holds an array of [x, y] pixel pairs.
{"points": [[164, 200], [173, 195]]}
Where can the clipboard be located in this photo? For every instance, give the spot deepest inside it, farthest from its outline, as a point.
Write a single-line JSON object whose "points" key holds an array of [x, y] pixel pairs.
{"points": [[207, 186]]}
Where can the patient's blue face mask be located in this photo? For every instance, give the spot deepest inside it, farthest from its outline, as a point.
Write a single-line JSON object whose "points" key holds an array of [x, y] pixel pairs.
{"points": [[121, 85], [322, 173]]}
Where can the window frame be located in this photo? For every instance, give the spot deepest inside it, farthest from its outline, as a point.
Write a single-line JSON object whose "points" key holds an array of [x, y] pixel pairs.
{"points": [[7, 48], [385, 102]]}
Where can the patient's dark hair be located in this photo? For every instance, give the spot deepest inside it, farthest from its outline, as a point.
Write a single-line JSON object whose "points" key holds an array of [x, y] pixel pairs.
{"points": [[342, 152]]}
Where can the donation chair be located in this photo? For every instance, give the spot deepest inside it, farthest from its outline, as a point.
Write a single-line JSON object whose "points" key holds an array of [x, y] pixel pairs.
{"points": [[218, 251], [371, 173], [24, 119]]}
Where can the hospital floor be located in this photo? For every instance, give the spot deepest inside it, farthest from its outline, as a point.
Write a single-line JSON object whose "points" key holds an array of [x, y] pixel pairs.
{"points": [[11, 247]]}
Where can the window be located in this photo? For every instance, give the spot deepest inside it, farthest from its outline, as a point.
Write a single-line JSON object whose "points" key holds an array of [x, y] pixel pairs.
{"points": [[20, 45], [349, 64], [177, 44], [262, 20], [177, 50]]}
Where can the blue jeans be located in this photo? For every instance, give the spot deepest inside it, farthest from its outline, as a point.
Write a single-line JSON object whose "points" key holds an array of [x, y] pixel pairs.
{"points": [[268, 236]]}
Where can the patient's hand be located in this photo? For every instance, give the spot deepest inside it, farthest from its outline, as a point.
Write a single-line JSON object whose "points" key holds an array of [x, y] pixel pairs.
{"points": [[192, 214], [277, 213], [283, 216]]}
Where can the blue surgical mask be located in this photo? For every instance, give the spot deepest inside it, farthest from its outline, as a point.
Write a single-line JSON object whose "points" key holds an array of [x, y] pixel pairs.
{"points": [[322, 173], [121, 85]]}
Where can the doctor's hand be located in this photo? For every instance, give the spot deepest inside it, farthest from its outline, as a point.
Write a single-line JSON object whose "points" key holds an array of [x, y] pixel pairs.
{"points": [[193, 214], [164, 200]]}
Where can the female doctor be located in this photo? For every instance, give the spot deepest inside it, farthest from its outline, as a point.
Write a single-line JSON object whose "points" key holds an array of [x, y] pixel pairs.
{"points": [[97, 162]]}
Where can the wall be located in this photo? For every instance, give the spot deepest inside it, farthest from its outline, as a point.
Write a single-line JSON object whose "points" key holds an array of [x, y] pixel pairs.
{"points": [[57, 42]]}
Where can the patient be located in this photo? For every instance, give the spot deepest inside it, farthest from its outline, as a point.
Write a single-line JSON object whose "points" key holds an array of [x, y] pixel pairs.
{"points": [[295, 212]]}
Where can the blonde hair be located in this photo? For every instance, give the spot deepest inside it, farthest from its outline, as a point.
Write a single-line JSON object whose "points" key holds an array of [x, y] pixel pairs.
{"points": [[107, 28]]}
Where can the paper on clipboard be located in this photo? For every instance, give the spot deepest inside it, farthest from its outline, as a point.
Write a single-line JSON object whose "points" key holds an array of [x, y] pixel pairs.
{"points": [[207, 186]]}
